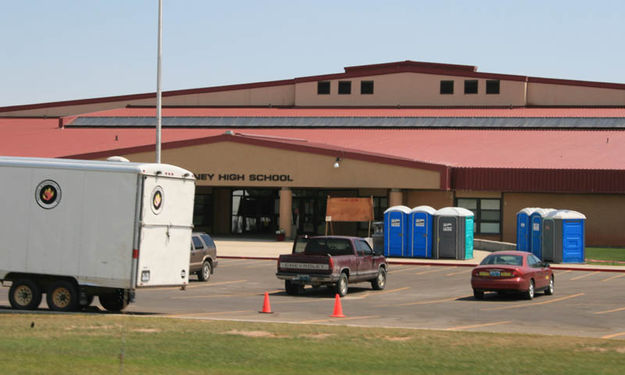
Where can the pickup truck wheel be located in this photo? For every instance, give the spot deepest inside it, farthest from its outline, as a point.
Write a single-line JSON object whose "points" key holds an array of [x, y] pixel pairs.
{"points": [[291, 288], [380, 281], [24, 295], [114, 302], [62, 296], [342, 285], [205, 273]]}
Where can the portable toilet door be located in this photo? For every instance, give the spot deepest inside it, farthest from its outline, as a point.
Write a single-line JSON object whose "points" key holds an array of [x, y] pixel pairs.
{"points": [[569, 236], [536, 220], [395, 233], [451, 232], [548, 237], [421, 232], [523, 228]]}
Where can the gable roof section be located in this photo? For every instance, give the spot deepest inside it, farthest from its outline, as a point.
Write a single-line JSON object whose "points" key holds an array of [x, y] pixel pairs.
{"points": [[290, 144]]}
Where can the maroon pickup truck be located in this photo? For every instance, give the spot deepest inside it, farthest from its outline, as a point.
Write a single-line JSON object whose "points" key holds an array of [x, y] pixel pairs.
{"points": [[331, 260]]}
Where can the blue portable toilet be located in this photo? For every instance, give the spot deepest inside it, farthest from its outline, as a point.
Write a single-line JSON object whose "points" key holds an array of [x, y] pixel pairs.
{"points": [[563, 237], [396, 235], [523, 228], [420, 222], [536, 222], [453, 233]]}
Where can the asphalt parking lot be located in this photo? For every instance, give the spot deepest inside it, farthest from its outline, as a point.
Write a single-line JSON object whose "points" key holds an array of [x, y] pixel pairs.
{"points": [[586, 303]]}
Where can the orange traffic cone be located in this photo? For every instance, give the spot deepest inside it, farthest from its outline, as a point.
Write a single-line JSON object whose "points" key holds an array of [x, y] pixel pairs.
{"points": [[266, 305], [338, 309]]}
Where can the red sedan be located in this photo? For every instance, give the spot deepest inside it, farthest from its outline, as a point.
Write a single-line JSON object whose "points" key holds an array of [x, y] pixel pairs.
{"points": [[517, 271]]}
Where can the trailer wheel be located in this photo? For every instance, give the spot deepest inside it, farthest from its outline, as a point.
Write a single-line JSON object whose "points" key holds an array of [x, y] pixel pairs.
{"points": [[62, 296], [114, 302], [205, 273], [24, 294]]}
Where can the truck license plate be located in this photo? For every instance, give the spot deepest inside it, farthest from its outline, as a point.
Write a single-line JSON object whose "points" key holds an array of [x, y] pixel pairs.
{"points": [[303, 278]]}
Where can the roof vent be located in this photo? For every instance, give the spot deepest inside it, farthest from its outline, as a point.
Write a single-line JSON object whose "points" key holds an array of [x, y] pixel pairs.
{"points": [[118, 158]]}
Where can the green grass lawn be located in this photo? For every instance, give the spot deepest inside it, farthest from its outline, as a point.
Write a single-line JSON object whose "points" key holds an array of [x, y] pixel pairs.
{"points": [[118, 344], [614, 255]]}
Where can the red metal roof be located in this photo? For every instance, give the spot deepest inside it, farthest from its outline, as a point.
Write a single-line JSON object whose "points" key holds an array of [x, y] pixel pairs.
{"points": [[500, 160], [520, 112], [545, 149]]}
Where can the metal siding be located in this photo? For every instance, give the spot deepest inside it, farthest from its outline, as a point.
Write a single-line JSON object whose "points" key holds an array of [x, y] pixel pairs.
{"points": [[539, 180]]}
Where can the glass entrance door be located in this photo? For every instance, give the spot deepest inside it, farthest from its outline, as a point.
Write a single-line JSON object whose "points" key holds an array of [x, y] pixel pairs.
{"points": [[255, 211]]}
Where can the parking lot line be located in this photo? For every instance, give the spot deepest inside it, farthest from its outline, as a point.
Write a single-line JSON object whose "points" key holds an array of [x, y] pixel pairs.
{"points": [[584, 276], [237, 262], [375, 293], [613, 335], [440, 269], [224, 283], [478, 325], [465, 271], [610, 311], [431, 301], [338, 319], [394, 270], [227, 295], [613, 277], [530, 304], [210, 313]]}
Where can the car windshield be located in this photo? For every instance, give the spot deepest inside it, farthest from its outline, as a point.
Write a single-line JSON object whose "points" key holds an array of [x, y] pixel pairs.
{"points": [[331, 246], [512, 260]]}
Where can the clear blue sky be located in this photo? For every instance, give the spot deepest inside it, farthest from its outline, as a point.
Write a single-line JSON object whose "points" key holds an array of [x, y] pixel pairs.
{"points": [[71, 49]]}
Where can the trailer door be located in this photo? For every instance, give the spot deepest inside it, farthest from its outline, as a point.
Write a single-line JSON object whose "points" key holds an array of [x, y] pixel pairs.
{"points": [[165, 231]]}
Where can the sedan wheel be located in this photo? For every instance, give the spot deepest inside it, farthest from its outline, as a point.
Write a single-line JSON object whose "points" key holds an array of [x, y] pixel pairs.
{"points": [[550, 289], [478, 294], [530, 291]]}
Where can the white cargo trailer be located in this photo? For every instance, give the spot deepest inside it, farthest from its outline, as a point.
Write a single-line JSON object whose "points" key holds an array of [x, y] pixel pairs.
{"points": [[76, 229]]}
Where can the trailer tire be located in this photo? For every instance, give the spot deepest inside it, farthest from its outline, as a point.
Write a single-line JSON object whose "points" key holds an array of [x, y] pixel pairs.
{"points": [[114, 302], [205, 273], [63, 296], [24, 294]]}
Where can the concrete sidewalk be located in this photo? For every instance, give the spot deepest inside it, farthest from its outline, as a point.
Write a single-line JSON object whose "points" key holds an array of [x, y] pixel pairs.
{"points": [[271, 249]]}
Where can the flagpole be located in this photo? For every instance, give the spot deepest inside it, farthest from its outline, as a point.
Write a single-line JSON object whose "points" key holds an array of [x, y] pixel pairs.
{"points": [[158, 82]]}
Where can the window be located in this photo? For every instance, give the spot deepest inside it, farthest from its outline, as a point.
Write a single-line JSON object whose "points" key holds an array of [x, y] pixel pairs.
{"points": [[366, 87], [492, 86], [331, 246], [197, 243], [363, 248], [345, 87], [470, 86], [323, 88], [207, 240], [487, 214], [533, 261], [447, 87]]}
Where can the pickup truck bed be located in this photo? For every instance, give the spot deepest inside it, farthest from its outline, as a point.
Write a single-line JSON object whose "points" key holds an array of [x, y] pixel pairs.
{"points": [[335, 261]]}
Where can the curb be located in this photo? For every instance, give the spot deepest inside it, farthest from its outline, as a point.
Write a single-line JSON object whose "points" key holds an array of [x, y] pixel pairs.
{"points": [[402, 263]]}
